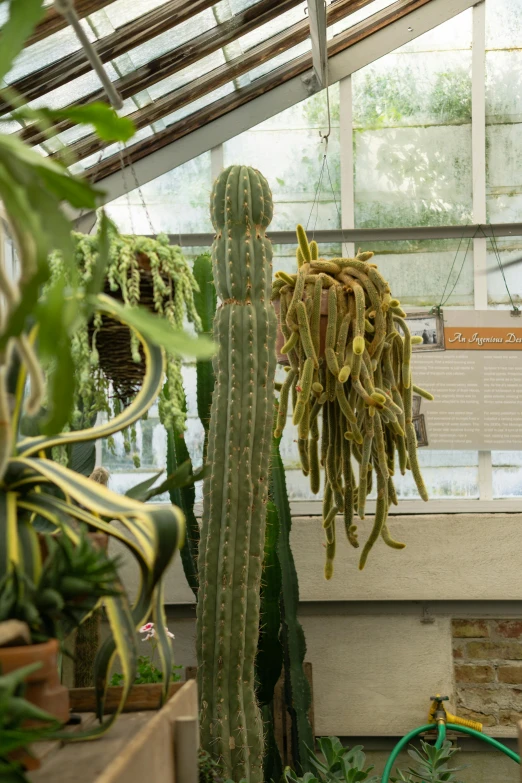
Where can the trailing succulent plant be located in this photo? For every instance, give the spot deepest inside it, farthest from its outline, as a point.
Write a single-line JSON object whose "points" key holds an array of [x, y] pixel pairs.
{"points": [[139, 271], [359, 380], [235, 494]]}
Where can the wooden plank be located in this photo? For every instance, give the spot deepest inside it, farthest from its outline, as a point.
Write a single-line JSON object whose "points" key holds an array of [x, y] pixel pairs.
{"points": [[85, 762], [139, 747], [176, 99], [219, 108], [53, 21], [151, 755], [122, 40], [141, 697]]}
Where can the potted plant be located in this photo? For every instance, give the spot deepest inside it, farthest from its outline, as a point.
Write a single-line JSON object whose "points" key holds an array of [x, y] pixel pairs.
{"points": [[347, 348], [108, 360], [53, 600]]}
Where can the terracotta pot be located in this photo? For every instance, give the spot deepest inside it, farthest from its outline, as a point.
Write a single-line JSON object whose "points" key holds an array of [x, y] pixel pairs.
{"points": [[280, 339], [43, 687], [98, 540]]}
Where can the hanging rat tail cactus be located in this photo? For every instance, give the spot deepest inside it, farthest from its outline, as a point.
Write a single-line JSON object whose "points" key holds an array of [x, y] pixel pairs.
{"points": [[235, 494]]}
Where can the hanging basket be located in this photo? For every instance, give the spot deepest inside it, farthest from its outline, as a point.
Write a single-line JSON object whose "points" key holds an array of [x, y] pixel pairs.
{"points": [[113, 339]]}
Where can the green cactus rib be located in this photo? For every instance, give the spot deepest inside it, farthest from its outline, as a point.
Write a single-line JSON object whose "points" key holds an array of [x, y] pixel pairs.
{"points": [[296, 686], [235, 493], [361, 385]]}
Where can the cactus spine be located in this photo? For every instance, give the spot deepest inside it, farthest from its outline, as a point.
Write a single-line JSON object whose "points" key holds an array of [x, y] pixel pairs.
{"points": [[366, 376], [235, 494]]}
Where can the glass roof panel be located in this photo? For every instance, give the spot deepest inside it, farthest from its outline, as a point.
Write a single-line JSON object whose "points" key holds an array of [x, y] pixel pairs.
{"points": [[73, 90], [281, 59], [122, 11], [275, 26], [357, 16], [47, 51], [189, 74], [171, 39]]}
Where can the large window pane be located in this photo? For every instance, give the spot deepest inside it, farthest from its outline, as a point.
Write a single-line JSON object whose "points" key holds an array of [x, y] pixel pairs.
{"points": [[287, 149], [429, 272], [177, 202], [412, 132], [504, 110], [502, 284]]}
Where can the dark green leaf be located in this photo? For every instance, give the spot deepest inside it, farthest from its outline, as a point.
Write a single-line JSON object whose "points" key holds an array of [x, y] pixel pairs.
{"points": [[140, 491], [24, 15], [105, 121], [158, 331]]}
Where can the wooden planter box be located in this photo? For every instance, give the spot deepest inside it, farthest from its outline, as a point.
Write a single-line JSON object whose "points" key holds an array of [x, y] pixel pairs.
{"points": [[143, 745]]}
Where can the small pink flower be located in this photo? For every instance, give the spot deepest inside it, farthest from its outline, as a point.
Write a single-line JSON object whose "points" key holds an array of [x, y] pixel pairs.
{"points": [[151, 633]]}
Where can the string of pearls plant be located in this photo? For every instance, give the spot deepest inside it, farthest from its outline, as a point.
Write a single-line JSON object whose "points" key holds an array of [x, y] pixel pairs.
{"points": [[358, 376], [170, 293]]}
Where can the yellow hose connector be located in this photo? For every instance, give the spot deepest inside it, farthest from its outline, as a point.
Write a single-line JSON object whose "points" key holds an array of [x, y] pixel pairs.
{"points": [[437, 706]]}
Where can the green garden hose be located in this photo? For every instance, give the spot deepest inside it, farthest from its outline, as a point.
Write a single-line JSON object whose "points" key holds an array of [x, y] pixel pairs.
{"points": [[442, 727]]}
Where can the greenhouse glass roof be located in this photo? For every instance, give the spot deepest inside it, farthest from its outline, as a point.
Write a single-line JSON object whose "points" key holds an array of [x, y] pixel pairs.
{"points": [[178, 65]]}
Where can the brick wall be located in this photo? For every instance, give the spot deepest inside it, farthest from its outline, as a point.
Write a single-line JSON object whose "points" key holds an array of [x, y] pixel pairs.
{"points": [[488, 670]]}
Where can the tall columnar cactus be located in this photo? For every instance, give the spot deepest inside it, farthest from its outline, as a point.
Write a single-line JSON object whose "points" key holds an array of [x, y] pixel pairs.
{"points": [[235, 494]]}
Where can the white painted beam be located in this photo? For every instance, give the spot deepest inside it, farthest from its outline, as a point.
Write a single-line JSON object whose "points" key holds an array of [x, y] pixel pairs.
{"points": [[280, 98], [317, 20]]}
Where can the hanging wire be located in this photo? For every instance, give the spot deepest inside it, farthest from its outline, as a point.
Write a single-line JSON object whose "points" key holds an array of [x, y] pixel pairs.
{"points": [[126, 187], [140, 193], [515, 308]]}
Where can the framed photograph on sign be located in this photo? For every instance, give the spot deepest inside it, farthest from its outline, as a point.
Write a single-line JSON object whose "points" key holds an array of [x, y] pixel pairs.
{"points": [[415, 404], [419, 425], [430, 327]]}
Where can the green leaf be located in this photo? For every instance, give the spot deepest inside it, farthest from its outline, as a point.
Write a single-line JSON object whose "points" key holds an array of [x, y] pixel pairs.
{"points": [[95, 284], [24, 15], [182, 477], [105, 121], [139, 491], [158, 331]]}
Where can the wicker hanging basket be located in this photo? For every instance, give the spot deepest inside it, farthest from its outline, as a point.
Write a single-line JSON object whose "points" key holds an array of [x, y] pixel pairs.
{"points": [[113, 340]]}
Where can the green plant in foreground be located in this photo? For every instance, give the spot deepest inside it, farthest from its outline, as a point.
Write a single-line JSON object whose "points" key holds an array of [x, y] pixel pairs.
{"points": [[431, 765], [73, 579], [235, 494], [14, 711], [341, 764]]}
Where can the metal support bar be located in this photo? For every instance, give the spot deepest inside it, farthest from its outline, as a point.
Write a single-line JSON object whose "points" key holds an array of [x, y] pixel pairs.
{"points": [[317, 19], [374, 235], [66, 8]]}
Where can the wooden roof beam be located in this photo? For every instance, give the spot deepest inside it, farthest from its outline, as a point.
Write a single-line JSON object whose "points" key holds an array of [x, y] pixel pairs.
{"points": [[416, 20], [53, 21], [181, 57], [177, 99], [265, 84], [122, 40]]}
